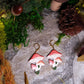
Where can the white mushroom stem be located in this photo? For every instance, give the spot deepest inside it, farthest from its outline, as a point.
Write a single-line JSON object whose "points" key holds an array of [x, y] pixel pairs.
{"points": [[54, 65], [38, 68]]}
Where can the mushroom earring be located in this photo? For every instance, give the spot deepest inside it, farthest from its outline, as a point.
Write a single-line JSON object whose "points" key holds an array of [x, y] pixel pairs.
{"points": [[36, 60], [54, 57]]}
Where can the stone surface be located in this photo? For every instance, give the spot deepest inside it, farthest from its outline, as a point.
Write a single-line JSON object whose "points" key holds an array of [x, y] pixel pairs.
{"points": [[47, 75], [78, 71]]}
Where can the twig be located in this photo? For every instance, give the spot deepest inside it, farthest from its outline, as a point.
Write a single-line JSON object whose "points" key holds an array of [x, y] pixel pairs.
{"points": [[62, 80], [25, 78], [14, 18]]}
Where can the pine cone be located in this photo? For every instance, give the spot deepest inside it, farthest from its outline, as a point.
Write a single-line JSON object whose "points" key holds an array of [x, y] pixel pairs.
{"points": [[70, 21]]}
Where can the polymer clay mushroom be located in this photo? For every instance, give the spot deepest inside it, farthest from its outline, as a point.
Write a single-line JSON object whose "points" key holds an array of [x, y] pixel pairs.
{"points": [[36, 61], [39, 65], [54, 62], [57, 61], [54, 57], [17, 9]]}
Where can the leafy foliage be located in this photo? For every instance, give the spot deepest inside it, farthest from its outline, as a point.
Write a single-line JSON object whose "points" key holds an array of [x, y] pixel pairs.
{"points": [[16, 30], [35, 4], [2, 37], [35, 20], [59, 38], [73, 2]]}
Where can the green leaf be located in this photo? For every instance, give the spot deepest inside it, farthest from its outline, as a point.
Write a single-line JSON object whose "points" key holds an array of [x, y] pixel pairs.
{"points": [[25, 45], [59, 38]]}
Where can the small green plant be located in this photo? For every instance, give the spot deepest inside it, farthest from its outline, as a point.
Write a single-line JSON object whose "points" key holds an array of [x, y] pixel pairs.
{"points": [[59, 38], [15, 30], [35, 19]]}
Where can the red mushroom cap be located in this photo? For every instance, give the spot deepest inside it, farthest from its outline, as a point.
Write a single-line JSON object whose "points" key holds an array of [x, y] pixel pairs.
{"points": [[36, 58], [54, 54]]}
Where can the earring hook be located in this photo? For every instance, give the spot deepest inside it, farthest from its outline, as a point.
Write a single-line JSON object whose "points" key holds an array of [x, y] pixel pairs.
{"points": [[36, 49], [52, 45]]}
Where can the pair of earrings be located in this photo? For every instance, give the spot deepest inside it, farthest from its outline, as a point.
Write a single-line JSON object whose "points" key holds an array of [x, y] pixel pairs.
{"points": [[37, 60]]}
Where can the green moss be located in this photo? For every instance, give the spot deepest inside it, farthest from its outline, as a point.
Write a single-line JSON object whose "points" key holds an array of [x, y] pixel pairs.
{"points": [[16, 31], [59, 38], [2, 37]]}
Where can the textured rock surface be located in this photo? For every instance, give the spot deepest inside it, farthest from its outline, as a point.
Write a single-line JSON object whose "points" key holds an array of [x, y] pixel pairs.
{"points": [[78, 71], [47, 75], [78, 67]]}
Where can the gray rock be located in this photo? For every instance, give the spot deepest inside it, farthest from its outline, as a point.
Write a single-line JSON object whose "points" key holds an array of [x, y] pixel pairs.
{"points": [[47, 74]]}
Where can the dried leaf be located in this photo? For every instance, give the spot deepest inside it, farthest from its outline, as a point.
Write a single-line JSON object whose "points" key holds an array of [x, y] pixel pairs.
{"points": [[5, 71]]}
